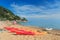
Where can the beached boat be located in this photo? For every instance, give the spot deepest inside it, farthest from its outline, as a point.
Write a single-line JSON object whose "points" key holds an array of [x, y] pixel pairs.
{"points": [[49, 28]]}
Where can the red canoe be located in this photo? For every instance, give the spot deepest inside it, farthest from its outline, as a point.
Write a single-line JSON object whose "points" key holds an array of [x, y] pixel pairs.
{"points": [[19, 31], [10, 28], [24, 33]]}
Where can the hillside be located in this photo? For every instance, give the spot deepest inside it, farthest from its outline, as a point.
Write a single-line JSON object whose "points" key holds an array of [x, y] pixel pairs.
{"points": [[6, 14]]}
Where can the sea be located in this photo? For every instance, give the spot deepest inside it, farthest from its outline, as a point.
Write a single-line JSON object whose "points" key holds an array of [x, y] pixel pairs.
{"points": [[44, 23]]}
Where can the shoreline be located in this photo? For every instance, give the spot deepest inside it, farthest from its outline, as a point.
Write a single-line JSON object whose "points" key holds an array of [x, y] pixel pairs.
{"points": [[40, 27], [50, 35], [5, 23]]}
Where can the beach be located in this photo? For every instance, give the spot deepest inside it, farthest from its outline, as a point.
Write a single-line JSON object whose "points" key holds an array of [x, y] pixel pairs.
{"points": [[49, 35]]}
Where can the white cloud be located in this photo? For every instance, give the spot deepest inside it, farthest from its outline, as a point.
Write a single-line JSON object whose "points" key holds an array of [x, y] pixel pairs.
{"points": [[37, 12], [55, 16]]}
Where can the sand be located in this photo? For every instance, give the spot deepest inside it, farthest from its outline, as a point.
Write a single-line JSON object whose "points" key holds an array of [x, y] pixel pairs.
{"points": [[5, 35]]}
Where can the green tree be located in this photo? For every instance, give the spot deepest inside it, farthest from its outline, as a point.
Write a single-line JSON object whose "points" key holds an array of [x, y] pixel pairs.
{"points": [[23, 19], [7, 14]]}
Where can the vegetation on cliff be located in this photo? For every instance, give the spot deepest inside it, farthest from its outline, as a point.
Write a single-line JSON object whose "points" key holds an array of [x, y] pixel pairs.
{"points": [[6, 14]]}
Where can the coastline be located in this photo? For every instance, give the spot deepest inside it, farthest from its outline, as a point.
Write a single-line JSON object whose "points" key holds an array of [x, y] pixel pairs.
{"points": [[51, 34]]}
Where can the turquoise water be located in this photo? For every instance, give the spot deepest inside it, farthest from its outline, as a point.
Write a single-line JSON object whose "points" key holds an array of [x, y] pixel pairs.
{"points": [[45, 23]]}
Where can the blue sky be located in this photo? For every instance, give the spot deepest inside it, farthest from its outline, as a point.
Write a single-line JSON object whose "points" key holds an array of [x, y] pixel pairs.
{"points": [[34, 8]]}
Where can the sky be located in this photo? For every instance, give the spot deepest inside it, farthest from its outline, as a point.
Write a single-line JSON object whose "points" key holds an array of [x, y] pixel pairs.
{"points": [[47, 9]]}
